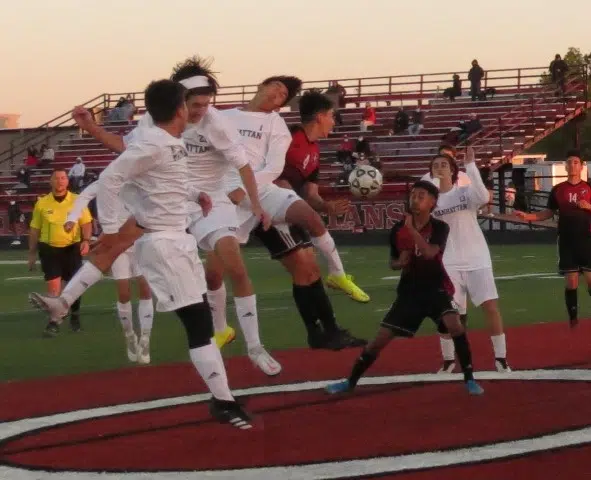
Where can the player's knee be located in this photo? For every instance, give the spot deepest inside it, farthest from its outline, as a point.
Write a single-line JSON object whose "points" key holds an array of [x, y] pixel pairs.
{"points": [[144, 290], [303, 215], [123, 291], [198, 324], [453, 325], [214, 279], [302, 266]]}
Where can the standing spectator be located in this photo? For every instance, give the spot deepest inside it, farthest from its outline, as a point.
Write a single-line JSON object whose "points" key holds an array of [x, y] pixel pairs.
{"points": [[475, 76], [418, 117], [47, 156], [336, 87], [455, 90], [14, 219], [369, 117], [76, 175], [510, 195], [558, 69], [401, 122], [60, 253]]}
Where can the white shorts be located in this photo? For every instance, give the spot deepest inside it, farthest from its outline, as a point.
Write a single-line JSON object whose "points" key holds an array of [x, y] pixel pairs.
{"points": [[125, 266], [220, 222], [479, 284], [274, 200], [171, 266]]}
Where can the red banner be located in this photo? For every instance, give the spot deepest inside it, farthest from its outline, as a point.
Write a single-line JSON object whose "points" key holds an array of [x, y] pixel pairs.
{"points": [[378, 215]]}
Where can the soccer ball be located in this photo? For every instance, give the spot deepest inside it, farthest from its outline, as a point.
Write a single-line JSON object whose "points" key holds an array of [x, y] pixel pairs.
{"points": [[365, 181]]}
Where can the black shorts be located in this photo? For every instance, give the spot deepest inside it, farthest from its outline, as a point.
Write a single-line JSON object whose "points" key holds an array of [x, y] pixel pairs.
{"points": [[59, 262], [574, 255], [408, 312], [281, 240]]}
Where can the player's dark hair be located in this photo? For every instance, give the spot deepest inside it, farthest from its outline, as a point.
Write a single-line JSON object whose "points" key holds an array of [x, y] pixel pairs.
{"points": [[447, 146], [453, 166], [163, 98], [293, 85], [59, 169], [196, 66], [574, 153], [313, 103], [428, 186]]}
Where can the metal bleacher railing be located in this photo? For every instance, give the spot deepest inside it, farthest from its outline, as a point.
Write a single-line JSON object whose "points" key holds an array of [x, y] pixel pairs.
{"points": [[387, 90]]}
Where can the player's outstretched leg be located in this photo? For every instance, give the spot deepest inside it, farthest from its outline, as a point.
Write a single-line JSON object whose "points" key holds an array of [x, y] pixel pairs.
{"points": [[217, 298], [145, 313]]}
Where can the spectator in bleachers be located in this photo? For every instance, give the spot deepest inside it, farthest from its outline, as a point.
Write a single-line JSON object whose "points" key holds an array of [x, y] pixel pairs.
{"points": [[510, 194], [558, 69], [23, 176], [362, 146], [15, 217], [31, 159], [475, 75], [345, 150], [369, 117], [455, 90], [375, 162], [336, 88], [123, 112], [76, 175], [416, 125], [401, 122], [47, 156]]}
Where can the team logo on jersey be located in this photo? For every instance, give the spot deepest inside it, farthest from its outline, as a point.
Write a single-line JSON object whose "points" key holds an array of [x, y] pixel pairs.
{"points": [[306, 161], [177, 152]]}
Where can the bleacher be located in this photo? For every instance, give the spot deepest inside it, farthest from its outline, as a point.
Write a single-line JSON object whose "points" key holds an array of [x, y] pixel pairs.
{"points": [[521, 112]]}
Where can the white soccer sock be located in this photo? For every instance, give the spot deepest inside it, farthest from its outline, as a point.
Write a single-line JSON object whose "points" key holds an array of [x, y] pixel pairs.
{"points": [[208, 362], [125, 313], [84, 278], [447, 349], [325, 244], [499, 345], [145, 312], [217, 304], [246, 311]]}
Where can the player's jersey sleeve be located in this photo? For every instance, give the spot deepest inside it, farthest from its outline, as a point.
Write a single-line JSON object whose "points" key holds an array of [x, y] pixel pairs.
{"points": [[439, 234], [224, 137], [82, 201], [144, 122], [279, 141], [393, 241], [476, 191], [553, 199]]}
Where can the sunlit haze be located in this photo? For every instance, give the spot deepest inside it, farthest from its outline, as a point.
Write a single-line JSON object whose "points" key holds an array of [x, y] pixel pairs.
{"points": [[58, 53]]}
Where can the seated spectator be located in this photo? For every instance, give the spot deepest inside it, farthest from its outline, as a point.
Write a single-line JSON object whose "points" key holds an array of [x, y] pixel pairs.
{"points": [[15, 217], [76, 175], [362, 159], [369, 117], [47, 156], [23, 177], [348, 166], [455, 90], [418, 117], [375, 162], [123, 111], [469, 127], [401, 122], [31, 160], [345, 149], [362, 146]]}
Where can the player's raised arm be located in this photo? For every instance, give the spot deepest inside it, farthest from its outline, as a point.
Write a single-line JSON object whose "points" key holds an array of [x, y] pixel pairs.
{"points": [[85, 121], [81, 202], [477, 192]]}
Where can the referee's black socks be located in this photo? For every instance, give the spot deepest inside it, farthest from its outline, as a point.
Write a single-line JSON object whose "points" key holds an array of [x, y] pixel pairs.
{"points": [[464, 355], [364, 361], [570, 298]]}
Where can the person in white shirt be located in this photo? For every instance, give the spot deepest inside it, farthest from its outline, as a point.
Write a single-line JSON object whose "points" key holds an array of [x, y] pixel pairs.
{"points": [[123, 270], [467, 257], [76, 175], [151, 178]]}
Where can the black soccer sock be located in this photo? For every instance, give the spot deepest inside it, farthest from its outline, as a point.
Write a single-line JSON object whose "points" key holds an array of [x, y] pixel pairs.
{"points": [[75, 308], [305, 304], [464, 355], [364, 361], [323, 306], [570, 298]]}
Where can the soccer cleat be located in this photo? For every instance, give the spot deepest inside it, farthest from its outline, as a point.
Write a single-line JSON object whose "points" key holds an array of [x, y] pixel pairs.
{"points": [[75, 323], [473, 388], [51, 330], [345, 283], [226, 336], [143, 349], [448, 366], [261, 358], [231, 412], [132, 346], [338, 387], [344, 339], [54, 306], [502, 366]]}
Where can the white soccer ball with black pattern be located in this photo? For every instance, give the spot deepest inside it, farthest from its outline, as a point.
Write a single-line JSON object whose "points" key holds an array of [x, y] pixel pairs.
{"points": [[365, 181]]}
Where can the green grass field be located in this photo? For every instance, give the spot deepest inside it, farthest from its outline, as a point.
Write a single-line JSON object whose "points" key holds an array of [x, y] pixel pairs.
{"points": [[530, 292]]}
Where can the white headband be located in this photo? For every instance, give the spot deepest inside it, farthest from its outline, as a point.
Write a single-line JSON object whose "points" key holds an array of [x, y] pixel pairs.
{"points": [[195, 82]]}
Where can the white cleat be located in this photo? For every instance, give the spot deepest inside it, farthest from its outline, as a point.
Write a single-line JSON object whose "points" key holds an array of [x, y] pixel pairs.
{"points": [[502, 365], [55, 307], [132, 346], [143, 354], [261, 358]]}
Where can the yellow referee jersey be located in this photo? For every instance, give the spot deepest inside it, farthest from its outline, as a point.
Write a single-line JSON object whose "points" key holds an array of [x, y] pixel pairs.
{"points": [[49, 217]]}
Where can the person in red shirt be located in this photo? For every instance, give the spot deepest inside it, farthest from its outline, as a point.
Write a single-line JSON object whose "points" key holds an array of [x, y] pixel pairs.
{"points": [[571, 199], [369, 117]]}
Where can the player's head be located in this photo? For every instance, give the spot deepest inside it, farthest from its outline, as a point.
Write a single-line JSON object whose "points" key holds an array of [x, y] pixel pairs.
{"points": [[276, 92], [444, 167], [574, 163], [165, 102], [59, 181], [196, 76], [317, 109], [423, 197]]}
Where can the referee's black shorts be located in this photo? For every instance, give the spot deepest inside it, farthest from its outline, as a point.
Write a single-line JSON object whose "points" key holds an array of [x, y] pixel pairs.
{"points": [[59, 262]]}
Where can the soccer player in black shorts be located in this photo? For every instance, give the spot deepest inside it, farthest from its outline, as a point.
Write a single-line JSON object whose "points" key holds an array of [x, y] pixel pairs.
{"points": [[424, 290], [571, 199]]}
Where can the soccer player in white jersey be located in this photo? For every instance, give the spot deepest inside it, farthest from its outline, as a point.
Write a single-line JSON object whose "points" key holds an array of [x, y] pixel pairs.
{"points": [[153, 177], [123, 270], [467, 257], [266, 139]]}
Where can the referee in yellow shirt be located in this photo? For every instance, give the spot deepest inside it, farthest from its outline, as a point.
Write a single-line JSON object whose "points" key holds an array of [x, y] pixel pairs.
{"points": [[60, 253]]}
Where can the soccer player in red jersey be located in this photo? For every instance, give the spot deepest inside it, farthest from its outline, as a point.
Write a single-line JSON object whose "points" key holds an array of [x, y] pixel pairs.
{"points": [[571, 199], [302, 165], [416, 247]]}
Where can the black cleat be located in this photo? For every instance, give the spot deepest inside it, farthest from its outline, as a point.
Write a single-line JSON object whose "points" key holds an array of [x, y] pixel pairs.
{"points": [[231, 412], [75, 323], [51, 330], [341, 338]]}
